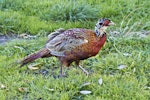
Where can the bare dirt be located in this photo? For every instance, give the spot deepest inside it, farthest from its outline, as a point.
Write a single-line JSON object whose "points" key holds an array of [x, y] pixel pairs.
{"points": [[7, 38], [4, 38]]}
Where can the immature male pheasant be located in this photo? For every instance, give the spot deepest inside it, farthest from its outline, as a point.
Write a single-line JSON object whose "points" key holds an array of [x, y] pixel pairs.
{"points": [[73, 45]]}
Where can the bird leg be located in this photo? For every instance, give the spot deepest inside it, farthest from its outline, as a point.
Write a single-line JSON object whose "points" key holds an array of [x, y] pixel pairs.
{"points": [[85, 71], [61, 72]]}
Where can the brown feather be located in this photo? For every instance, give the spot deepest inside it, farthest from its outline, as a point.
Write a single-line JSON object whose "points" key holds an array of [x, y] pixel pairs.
{"points": [[40, 54], [67, 41], [85, 50], [73, 45]]}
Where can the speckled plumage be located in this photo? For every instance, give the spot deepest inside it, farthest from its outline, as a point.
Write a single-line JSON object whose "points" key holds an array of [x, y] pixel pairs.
{"points": [[73, 45]]}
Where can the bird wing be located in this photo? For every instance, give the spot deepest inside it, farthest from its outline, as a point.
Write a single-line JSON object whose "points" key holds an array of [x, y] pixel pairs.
{"points": [[66, 41], [55, 33]]}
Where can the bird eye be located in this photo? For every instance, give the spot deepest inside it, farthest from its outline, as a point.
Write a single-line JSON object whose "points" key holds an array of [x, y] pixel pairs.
{"points": [[100, 23]]}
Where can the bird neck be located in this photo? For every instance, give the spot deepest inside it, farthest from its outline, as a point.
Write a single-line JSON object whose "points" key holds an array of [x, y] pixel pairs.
{"points": [[100, 31], [98, 43]]}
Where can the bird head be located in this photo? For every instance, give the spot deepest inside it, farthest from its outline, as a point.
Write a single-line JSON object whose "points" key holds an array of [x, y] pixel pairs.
{"points": [[101, 26]]}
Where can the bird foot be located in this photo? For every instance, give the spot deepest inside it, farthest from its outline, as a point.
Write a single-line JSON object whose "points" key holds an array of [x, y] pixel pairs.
{"points": [[62, 75], [85, 71]]}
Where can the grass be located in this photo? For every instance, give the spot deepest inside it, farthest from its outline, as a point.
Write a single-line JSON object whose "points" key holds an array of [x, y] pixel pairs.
{"points": [[128, 83], [32, 17], [131, 50]]}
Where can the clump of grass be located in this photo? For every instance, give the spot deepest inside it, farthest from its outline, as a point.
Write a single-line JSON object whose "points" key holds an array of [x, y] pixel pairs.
{"points": [[17, 23], [29, 16], [11, 4], [72, 11]]}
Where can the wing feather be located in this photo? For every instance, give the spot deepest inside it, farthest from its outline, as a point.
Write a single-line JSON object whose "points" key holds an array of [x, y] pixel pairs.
{"points": [[66, 41]]}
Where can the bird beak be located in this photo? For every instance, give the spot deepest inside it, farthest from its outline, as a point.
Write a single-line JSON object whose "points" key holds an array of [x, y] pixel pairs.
{"points": [[111, 23]]}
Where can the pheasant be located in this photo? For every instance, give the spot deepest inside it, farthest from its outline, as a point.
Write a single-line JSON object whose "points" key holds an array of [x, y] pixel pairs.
{"points": [[73, 45]]}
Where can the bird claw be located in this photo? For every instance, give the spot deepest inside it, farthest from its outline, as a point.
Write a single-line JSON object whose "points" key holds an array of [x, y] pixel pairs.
{"points": [[85, 71], [87, 74], [62, 75]]}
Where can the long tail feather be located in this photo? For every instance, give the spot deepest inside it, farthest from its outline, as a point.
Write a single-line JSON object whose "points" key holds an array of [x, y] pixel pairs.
{"points": [[40, 54]]}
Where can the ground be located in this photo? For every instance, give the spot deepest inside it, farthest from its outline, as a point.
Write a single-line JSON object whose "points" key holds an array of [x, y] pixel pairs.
{"points": [[120, 71], [122, 64]]}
